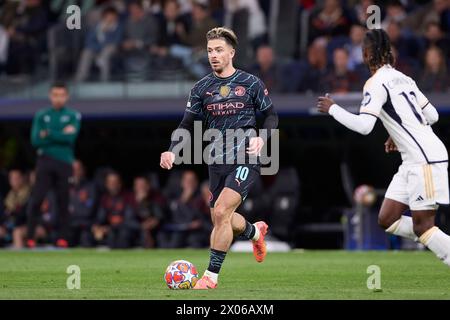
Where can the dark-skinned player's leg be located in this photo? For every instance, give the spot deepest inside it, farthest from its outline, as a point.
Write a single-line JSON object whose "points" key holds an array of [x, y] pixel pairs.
{"points": [[391, 219], [430, 235], [396, 202]]}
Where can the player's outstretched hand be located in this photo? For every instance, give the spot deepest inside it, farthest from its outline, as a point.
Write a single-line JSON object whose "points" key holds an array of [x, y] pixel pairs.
{"points": [[167, 159], [255, 146], [389, 146], [324, 103]]}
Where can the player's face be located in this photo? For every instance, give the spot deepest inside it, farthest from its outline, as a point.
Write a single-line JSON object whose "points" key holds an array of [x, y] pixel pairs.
{"points": [[220, 55], [58, 97]]}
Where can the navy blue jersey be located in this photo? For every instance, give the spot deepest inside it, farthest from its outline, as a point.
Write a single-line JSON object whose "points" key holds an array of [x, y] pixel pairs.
{"points": [[229, 103]]}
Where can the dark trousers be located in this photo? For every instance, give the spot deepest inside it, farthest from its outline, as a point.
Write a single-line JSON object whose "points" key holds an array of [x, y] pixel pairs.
{"points": [[119, 237], [50, 174]]}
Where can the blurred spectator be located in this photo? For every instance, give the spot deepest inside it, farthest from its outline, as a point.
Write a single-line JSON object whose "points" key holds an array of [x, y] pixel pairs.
{"points": [[101, 43], [355, 57], [58, 8], [193, 51], [257, 25], [395, 12], [140, 36], [186, 6], [340, 79], [15, 217], [404, 64], [407, 47], [115, 218], [168, 23], [435, 77], [26, 37], [305, 75], [266, 68], [186, 228], [435, 37], [361, 11], [202, 22], [149, 210], [438, 11], [330, 20], [9, 11], [154, 6], [81, 207]]}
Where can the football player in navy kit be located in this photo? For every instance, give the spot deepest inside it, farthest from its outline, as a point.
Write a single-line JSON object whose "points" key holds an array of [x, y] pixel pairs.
{"points": [[228, 99]]}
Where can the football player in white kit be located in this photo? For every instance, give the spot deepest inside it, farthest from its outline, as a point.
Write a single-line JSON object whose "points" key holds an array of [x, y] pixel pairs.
{"points": [[421, 183]]}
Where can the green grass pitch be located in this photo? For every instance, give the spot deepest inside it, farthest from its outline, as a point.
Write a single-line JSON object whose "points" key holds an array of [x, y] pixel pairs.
{"points": [[138, 274]]}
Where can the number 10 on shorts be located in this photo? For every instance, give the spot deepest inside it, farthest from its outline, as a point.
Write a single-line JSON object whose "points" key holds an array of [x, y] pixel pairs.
{"points": [[241, 173]]}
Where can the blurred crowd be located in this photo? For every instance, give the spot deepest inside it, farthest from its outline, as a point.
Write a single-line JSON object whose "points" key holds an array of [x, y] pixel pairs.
{"points": [[164, 39], [103, 212]]}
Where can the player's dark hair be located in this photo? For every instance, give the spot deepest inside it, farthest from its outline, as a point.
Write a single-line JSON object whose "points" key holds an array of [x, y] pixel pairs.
{"points": [[223, 33], [59, 85], [377, 40]]}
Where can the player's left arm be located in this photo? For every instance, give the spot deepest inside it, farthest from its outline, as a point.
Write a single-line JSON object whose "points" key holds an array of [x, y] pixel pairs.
{"points": [[265, 106]]}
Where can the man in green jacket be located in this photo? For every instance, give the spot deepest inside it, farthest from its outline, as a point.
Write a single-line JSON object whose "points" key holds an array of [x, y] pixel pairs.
{"points": [[53, 134]]}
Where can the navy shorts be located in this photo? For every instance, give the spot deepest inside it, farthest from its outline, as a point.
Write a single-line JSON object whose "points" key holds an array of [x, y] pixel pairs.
{"points": [[238, 177]]}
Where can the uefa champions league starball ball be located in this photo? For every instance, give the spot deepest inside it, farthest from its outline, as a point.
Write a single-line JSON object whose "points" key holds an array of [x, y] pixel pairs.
{"points": [[181, 274]]}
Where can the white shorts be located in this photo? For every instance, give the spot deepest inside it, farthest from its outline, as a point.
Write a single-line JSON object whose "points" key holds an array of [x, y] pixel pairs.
{"points": [[420, 186]]}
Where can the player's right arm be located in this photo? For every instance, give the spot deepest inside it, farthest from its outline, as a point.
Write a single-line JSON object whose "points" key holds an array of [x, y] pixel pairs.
{"points": [[193, 108], [168, 157], [374, 98]]}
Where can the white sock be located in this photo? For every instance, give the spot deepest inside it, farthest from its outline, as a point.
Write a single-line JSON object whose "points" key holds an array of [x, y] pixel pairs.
{"points": [[257, 233], [438, 242], [214, 276], [403, 227]]}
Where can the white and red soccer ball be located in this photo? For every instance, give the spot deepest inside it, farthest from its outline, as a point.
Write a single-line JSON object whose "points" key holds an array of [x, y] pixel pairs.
{"points": [[181, 274]]}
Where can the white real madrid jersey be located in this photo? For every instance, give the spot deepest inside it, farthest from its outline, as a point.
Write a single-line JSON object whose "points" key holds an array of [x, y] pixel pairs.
{"points": [[397, 101]]}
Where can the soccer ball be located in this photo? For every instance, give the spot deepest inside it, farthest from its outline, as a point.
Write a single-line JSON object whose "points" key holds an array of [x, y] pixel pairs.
{"points": [[181, 274]]}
